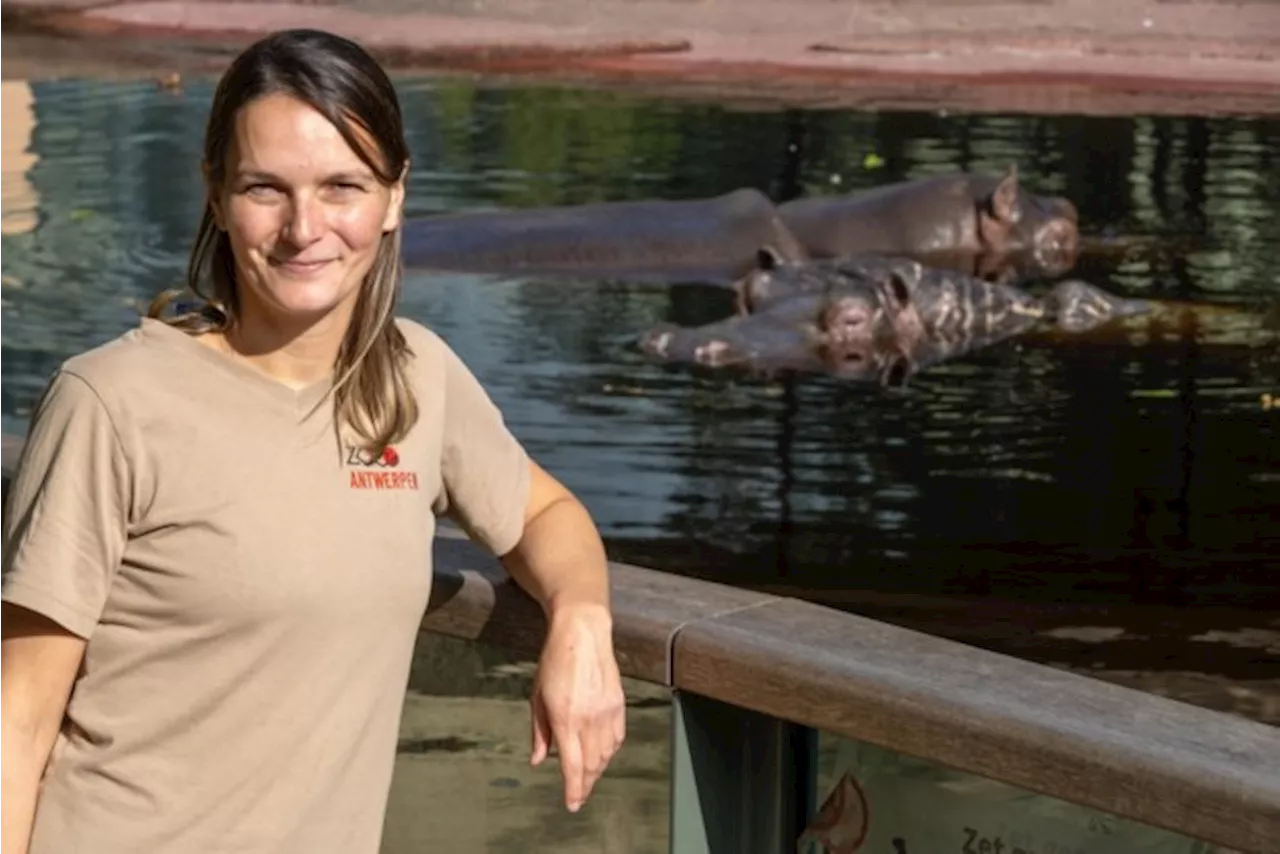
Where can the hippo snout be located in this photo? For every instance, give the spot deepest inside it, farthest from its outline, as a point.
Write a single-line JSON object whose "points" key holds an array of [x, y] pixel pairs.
{"points": [[1057, 243], [682, 344], [1059, 235]]}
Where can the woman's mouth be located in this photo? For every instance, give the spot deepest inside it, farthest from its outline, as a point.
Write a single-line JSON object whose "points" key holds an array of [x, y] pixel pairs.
{"points": [[298, 267]]}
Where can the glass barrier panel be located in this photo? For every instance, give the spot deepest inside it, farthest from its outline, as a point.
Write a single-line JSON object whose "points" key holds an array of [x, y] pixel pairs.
{"points": [[877, 800], [463, 782]]}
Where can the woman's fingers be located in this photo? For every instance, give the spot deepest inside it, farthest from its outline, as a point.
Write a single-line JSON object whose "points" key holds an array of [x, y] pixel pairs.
{"points": [[541, 731], [572, 767], [579, 706], [586, 736]]}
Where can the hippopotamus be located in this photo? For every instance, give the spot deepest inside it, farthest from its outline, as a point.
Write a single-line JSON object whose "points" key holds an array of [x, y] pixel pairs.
{"points": [[709, 240], [810, 331], [947, 301], [970, 222], [874, 317]]}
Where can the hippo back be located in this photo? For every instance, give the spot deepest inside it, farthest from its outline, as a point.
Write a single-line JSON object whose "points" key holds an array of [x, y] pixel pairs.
{"points": [[967, 222], [710, 240], [933, 214]]}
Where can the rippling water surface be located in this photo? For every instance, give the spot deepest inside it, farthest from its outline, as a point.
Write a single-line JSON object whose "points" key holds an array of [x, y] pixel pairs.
{"points": [[1080, 478]]}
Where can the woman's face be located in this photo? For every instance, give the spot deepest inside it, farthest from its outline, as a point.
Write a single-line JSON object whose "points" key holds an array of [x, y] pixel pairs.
{"points": [[304, 214]]}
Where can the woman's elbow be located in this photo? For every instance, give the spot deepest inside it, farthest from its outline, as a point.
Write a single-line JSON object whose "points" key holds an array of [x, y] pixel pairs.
{"points": [[39, 661], [545, 492]]}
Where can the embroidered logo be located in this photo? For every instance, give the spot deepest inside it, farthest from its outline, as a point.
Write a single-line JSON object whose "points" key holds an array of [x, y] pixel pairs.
{"points": [[379, 472]]}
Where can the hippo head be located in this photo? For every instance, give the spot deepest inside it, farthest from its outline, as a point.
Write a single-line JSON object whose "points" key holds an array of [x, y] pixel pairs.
{"points": [[776, 279], [880, 311], [1044, 229]]}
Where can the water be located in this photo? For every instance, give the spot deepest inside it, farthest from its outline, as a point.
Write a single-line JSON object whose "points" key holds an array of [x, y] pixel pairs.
{"points": [[1107, 503]]}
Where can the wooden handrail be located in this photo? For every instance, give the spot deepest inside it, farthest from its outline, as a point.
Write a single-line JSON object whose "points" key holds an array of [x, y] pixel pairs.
{"points": [[1195, 771]]}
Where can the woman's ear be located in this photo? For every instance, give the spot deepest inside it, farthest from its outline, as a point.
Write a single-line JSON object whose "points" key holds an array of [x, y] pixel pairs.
{"points": [[395, 210], [214, 199]]}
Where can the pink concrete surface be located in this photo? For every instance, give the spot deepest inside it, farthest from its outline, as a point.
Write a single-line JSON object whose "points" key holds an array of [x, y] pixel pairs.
{"points": [[1041, 55], [414, 32]]}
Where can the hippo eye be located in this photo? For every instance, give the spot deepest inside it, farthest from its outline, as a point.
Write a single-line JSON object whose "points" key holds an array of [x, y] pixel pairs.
{"points": [[855, 319]]}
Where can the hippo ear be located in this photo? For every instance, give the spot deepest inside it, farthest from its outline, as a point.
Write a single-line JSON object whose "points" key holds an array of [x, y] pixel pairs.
{"points": [[1004, 199], [899, 290], [895, 294], [896, 373], [768, 258]]}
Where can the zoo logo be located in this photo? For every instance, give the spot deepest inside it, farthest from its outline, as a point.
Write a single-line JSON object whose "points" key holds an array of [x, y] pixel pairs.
{"points": [[372, 471], [390, 458]]}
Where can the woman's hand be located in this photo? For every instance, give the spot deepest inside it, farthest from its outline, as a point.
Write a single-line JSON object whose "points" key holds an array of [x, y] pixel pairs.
{"points": [[578, 703], [578, 706]]}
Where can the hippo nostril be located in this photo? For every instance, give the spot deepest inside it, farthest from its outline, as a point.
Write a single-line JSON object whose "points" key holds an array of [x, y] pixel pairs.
{"points": [[712, 353], [1058, 238]]}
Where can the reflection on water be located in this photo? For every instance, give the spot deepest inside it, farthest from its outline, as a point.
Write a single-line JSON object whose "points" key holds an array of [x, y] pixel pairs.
{"points": [[1134, 466], [18, 122]]}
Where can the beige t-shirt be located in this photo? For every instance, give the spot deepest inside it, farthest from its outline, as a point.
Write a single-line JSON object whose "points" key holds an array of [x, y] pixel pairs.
{"points": [[250, 592]]}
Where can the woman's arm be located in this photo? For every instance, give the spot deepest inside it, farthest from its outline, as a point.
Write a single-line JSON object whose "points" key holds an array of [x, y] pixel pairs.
{"points": [[38, 664], [492, 488], [560, 559], [578, 702]]}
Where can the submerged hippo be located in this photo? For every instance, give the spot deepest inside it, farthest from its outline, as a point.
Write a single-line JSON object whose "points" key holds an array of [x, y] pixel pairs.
{"points": [[947, 301], [872, 317], [968, 222], [806, 332], [711, 240]]}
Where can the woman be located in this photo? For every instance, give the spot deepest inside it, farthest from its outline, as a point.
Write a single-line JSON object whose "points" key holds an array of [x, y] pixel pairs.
{"points": [[218, 541]]}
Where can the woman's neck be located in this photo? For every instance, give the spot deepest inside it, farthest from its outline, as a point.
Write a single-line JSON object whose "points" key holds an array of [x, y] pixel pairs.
{"points": [[296, 356]]}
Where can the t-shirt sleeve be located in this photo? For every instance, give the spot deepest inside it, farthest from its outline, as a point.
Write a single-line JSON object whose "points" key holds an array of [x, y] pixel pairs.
{"points": [[484, 468], [66, 518]]}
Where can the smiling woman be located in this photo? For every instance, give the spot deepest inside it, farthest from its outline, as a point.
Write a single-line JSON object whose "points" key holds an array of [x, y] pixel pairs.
{"points": [[306, 187], [302, 209], [218, 538]]}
